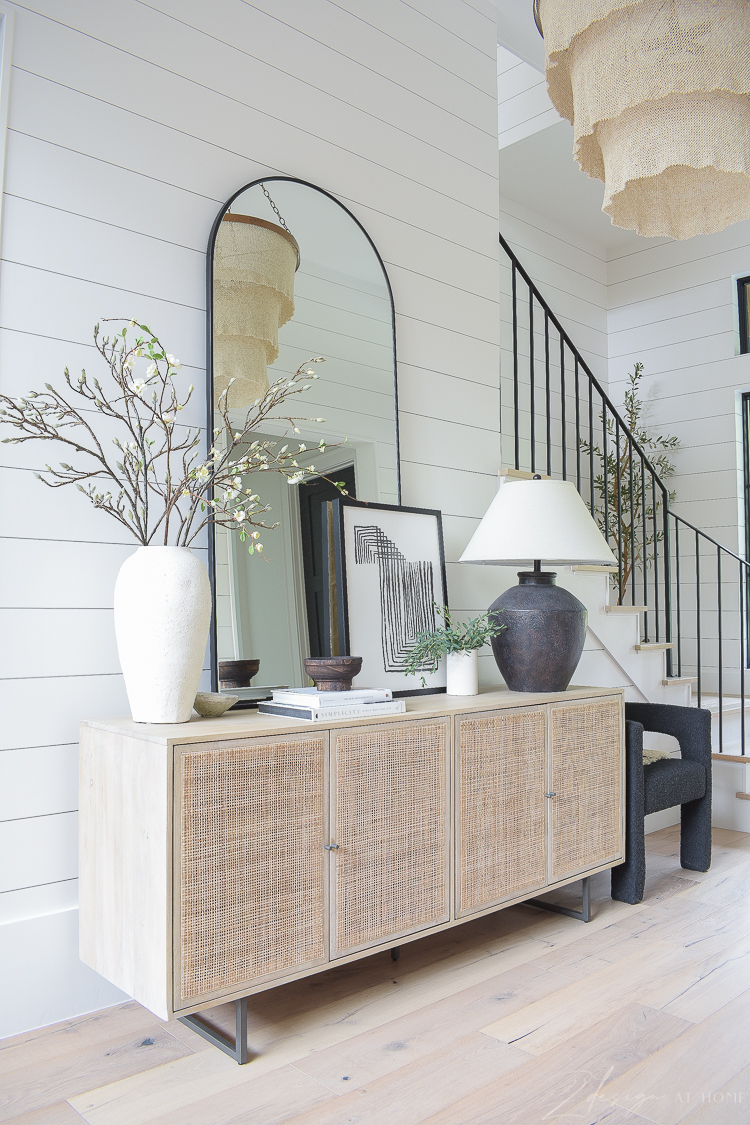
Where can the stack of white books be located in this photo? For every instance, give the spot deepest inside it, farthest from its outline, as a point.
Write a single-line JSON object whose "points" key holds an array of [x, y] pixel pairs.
{"points": [[324, 706]]}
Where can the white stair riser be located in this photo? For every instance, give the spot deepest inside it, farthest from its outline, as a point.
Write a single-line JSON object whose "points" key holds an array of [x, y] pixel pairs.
{"points": [[641, 673], [609, 658], [732, 731]]}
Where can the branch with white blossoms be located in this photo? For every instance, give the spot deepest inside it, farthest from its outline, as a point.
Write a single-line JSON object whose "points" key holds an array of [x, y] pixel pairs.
{"points": [[219, 486], [156, 484]]}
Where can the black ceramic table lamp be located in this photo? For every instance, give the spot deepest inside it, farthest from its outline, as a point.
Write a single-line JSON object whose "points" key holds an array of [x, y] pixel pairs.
{"points": [[531, 521]]}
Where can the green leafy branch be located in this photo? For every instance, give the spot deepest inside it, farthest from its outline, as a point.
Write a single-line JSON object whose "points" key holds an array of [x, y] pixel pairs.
{"points": [[455, 636], [625, 507]]}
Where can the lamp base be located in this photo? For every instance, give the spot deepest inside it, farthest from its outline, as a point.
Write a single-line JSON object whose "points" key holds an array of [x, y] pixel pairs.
{"points": [[545, 629]]}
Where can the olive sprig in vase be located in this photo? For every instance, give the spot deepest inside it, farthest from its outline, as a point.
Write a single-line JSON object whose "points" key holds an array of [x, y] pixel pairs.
{"points": [[458, 642]]}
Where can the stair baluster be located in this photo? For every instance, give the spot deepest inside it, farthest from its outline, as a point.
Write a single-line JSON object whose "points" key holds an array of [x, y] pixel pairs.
{"points": [[625, 493]]}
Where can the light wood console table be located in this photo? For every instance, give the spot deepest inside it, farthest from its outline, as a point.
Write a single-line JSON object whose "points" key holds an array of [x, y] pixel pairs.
{"points": [[222, 857]]}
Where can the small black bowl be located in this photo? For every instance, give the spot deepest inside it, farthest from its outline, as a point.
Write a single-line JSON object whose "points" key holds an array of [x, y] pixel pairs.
{"points": [[333, 673], [237, 673]]}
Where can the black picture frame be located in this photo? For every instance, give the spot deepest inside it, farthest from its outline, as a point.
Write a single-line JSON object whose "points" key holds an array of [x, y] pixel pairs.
{"points": [[343, 583], [743, 308]]}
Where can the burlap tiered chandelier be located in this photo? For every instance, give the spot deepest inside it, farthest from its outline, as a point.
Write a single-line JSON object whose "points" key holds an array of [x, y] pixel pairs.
{"points": [[657, 93], [254, 266]]}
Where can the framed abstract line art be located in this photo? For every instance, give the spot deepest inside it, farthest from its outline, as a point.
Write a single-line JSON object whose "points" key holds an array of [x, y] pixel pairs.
{"points": [[390, 572]]}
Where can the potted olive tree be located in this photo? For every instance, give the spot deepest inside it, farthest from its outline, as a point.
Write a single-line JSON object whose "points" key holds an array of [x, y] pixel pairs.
{"points": [[458, 642]]}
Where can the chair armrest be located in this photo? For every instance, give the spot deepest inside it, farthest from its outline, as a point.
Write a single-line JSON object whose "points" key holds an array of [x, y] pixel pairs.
{"points": [[634, 780], [691, 726]]}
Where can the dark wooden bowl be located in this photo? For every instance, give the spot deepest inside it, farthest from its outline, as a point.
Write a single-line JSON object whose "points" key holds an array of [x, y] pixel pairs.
{"points": [[333, 673], [237, 673]]}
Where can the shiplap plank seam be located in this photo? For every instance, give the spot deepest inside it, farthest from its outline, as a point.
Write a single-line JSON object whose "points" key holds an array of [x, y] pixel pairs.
{"points": [[268, 170], [219, 202], [292, 74], [556, 236], [105, 285], [37, 816], [33, 886], [288, 75], [185, 305], [408, 45], [429, 188]]}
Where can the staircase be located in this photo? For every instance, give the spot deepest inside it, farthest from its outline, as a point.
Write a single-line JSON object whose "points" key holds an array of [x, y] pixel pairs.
{"points": [[669, 623]]}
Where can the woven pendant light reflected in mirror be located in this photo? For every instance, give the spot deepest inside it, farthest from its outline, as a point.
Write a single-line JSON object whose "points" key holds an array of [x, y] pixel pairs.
{"points": [[254, 266], [657, 93]]}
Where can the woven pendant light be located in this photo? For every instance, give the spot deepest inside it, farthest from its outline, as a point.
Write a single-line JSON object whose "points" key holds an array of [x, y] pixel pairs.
{"points": [[657, 93], [254, 266]]}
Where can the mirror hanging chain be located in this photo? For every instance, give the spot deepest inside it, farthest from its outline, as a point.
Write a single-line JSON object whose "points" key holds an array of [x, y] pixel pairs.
{"points": [[275, 208]]}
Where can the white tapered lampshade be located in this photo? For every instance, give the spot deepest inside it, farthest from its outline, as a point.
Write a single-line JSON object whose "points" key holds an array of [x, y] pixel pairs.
{"points": [[538, 519]]}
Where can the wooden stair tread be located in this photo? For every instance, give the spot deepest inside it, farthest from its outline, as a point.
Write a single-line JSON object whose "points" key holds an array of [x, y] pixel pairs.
{"points": [[731, 704], [521, 474], [679, 680], [648, 646]]}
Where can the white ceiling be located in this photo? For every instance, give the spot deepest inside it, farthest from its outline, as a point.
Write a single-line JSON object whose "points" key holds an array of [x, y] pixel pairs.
{"points": [[539, 173], [517, 31]]}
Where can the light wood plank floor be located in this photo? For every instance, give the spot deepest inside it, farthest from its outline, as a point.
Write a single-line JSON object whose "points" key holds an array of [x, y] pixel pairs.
{"points": [[522, 1017]]}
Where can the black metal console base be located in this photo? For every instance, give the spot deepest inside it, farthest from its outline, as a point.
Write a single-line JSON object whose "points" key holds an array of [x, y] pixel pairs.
{"points": [[236, 1050], [583, 915]]}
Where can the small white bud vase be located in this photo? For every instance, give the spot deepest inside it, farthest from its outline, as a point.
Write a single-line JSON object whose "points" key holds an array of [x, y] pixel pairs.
{"points": [[162, 616], [462, 674]]}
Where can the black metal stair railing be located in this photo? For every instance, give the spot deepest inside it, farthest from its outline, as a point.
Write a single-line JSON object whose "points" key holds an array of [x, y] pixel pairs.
{"points": [[556, 419]]}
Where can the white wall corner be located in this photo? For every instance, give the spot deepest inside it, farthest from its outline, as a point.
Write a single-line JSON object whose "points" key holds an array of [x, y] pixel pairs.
{"points": [[517, 31], [523, 104], [7, 20], [43, 979]]}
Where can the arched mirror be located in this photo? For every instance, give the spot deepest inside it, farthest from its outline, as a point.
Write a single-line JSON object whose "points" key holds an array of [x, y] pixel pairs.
{"points": [[293, 275]]}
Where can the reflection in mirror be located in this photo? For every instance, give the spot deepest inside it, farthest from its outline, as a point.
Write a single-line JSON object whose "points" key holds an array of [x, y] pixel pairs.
{"points": [[294, 277]]}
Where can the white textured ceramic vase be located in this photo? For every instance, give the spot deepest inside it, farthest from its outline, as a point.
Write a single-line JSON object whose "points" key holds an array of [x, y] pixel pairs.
{"points": [[162, 616], [462, 674]]}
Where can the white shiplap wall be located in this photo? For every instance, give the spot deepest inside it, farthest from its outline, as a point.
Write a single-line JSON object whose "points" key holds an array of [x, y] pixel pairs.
{"points": [[672, 306], [130, 124], [523, 104], [570, 273]]}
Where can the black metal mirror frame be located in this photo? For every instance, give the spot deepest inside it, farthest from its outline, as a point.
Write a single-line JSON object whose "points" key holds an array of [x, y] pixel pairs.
{"points": [[210, 371]]}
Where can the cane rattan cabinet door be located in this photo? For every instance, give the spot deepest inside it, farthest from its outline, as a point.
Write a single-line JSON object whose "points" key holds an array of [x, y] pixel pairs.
{"points": [[249, 865], [390, 819], [586, 777], [500, 807]]}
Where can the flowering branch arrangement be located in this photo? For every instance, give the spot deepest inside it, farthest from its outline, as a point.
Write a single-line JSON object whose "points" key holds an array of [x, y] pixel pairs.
{"points": [[156, 483]]}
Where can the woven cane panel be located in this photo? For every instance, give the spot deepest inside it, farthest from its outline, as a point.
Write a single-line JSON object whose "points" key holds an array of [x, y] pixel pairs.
{"points": [[391, 827], [252, 862], [501, 807], [585, 776]]}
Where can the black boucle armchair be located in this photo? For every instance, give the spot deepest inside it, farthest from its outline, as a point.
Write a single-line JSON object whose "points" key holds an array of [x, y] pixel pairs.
{"points": [[684, 781]]}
